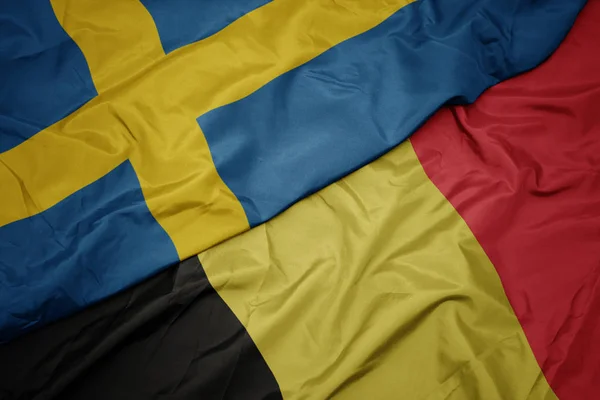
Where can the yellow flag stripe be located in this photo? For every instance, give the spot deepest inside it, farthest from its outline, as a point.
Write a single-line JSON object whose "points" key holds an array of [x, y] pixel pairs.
{"points": [[60, 160], [375, 288], [118, 37], [150, 118]]}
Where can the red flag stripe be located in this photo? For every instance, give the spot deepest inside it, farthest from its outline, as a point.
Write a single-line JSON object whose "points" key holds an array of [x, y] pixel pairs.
{"points": [[522, 167]]}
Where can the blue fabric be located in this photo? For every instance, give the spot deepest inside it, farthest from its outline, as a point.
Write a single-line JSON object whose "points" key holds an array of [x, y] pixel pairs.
{"points": [[91, 245], [328, 117], [181, 22], [43, 73]]}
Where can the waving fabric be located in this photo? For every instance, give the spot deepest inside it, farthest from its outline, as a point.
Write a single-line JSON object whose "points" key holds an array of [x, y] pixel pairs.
{"points": [[449, 266], [461, 264], [127, 147]]}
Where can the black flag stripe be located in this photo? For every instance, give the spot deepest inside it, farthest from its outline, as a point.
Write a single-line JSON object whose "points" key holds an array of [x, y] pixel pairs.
{"points": [[171, 337]]}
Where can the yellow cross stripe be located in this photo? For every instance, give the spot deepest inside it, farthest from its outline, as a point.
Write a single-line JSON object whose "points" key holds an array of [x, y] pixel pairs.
{"points": [[60, 160], [150, 117], [121, 33], [181, 185], [261, 46], [375, 288]]}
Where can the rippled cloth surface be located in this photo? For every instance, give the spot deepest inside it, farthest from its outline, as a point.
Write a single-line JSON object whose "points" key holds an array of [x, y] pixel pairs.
{"points": [[126, 147], [420, 272], [461, 265]]}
